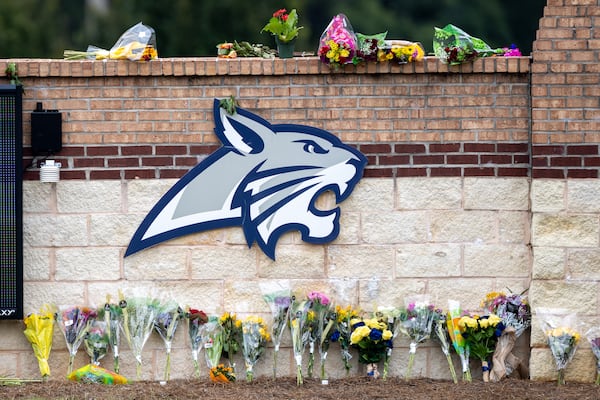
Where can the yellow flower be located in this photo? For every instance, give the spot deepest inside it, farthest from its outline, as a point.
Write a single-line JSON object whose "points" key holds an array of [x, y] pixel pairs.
{"points": [[355, 321], [386, 334], [359, 333], [494, 320], [484, 323]]}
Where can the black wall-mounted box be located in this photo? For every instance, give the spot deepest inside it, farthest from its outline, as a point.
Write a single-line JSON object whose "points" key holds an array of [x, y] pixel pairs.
{"points": [[46, 131]]}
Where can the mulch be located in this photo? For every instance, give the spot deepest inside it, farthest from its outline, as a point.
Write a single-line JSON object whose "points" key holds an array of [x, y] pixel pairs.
{"points": [[355, 388]]}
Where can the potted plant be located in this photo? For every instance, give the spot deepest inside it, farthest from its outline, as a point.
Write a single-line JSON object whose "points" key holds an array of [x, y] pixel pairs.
{"points": [[284, 27]]}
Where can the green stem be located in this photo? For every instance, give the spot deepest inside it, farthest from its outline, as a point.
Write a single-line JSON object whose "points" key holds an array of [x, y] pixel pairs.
{"points": [[71, 359], [275, 364], [299, 380], [451, 367], [561, 377], [138, 370], [168, 366], [411, 361]]}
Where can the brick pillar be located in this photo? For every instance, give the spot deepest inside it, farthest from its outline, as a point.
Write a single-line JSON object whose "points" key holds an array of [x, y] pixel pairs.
{"points": [[565, 91]]}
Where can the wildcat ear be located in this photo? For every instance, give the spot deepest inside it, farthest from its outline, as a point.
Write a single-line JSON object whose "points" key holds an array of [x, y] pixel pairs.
{"points": [[243, 131]]}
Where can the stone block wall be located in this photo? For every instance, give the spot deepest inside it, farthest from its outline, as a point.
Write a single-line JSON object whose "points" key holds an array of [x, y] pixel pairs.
{"points": [[480, 177]]}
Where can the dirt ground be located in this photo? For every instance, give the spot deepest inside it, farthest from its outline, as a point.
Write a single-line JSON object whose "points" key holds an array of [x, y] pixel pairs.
{"points": [[286, 388]]}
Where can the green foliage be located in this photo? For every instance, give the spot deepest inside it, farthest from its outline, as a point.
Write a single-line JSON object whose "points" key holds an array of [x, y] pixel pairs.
{"points": [[45, 28]]}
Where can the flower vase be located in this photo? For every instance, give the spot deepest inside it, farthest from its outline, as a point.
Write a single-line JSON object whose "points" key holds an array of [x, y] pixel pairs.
{"points": [[285, 49]]}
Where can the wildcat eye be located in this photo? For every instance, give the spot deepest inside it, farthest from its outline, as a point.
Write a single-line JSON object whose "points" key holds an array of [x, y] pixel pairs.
{"points": [[313, 148]]}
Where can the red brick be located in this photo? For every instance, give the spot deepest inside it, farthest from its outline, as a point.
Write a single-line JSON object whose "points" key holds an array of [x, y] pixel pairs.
{"points": [[582, 173], [496, 159], [171, 150], [462, 159], [566, 161], [512, 147], [140, 174], [516, 172], [445, 172], [591, 162], [582, 150], [136, 150], [375, 148], [378, 173], [541, 173], [393, 160], [479, 172], [444, 147], [105, 174], [479, 147], [88, 162], [429, 159], [411, 172], [123, 162], [409, 148], [547, 150], [93, 151]]}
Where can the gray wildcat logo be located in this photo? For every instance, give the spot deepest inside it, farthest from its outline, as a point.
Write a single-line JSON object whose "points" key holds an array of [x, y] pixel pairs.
{"points": [[265, 178]]}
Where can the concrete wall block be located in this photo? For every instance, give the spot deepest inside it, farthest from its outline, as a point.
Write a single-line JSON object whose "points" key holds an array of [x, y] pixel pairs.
{"points": [[384, 292], [514, 227], [395, 227], [113, 229], [429, 194], [543, 367], [582, 195], [88, 196], [55, 230], [548, 195], [88, 264], [584, 263], [496, 194], [463, 226], [497, 260], [360, 261], [157, 263], [206, 294], [469, 291], [378, 193], [574, 296], [223, 262], [548, 262], [428, 260], [293, 262], [143, 194], [38, 197], [36, 294], [350, 229], [36, 263], [565, 230]]}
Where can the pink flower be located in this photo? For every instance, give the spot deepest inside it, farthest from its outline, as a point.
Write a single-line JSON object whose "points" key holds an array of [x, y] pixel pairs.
{"points": [[318, 296]]}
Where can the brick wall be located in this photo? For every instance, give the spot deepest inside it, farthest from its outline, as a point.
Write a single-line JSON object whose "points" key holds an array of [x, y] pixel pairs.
{"points": [[564, 86], [125, 120]]}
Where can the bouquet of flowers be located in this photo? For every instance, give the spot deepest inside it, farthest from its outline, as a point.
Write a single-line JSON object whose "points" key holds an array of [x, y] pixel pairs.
{"points": [[138, 43], [559, 326], [400, 51], [343, 332], [372, 338], [458, 341], [443, 338], [39, 330], [515, 313], [367, 46], [112, 319], [138, 315], [96, 341], [324, 326], [195, 320], [279, 299], [232, 336], [593, 336], [212, 342], [454, 46], [393, 316], [74, 322], [416, 324], [255, 337], [283, 25], [165, 323], [299, 332], [481, 334], [337, 45]]}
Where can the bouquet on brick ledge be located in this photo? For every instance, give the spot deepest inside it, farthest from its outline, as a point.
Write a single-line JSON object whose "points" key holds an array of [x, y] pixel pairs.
{"points": [[212, 342], [299, 332], [325, 320], [337, 45], [560, 327], [393, 317], [454, 46], [342, 333], [96, 341]]}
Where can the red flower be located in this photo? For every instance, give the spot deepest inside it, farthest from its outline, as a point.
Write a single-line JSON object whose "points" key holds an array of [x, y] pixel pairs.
{"points": [[280, 13], [284, 17]]}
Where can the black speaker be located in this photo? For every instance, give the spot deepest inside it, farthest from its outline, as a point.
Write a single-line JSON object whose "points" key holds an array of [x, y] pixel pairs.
{"points": [[46, 131]]}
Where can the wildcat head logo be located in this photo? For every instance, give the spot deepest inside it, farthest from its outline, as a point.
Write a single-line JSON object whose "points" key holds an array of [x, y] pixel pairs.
{"points": [[265, 178]]}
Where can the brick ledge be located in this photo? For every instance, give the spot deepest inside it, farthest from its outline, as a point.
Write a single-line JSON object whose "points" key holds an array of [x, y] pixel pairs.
{"points": [[212, 66]]}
